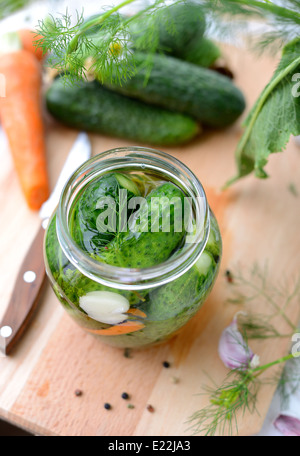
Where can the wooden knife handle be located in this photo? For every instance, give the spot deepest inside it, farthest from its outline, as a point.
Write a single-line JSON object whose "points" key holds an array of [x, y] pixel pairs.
{"points": [[25, 295]]}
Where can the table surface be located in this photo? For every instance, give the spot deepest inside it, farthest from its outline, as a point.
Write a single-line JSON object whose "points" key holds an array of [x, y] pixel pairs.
{"points": [[259, 221]]}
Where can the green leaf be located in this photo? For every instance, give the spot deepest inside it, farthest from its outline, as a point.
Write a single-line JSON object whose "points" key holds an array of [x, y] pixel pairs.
{"points": [[273, 119]]}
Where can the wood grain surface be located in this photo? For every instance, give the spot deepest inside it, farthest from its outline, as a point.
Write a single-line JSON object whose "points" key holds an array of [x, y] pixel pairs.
{"points": [[259, 222]]}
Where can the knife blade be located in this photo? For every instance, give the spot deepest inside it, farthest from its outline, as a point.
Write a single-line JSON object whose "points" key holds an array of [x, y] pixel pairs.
{"points": [[31, 276]]}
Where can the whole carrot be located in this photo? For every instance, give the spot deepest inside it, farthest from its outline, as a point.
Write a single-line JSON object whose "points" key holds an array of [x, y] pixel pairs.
{"points": [[28, 39], [20, 114]]}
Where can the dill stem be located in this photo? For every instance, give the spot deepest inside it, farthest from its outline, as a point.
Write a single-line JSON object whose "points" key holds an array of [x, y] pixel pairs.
{"points": [[141, 13], [270, 300], [271, 8], [261, 369], [291, 297], [97, 21]]}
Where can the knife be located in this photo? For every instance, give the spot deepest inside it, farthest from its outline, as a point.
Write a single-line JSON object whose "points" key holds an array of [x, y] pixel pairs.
{"points": [[31, 276]]}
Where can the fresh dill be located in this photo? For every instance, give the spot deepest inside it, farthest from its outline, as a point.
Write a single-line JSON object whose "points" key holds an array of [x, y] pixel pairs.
{"points": [[238, 392], [253, 288], [236, 396], [101, 45]]}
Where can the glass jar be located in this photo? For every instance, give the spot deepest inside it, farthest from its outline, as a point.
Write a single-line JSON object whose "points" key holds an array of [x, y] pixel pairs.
{"points": [[160, 299]]}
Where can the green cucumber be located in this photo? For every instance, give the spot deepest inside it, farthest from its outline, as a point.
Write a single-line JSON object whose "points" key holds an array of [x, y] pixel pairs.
{"points": [[144, 247], [204, 263], [89, 106], [214, 242], [72, 282], [180, 29], [202, 52], [127, 184], [184, 87], [84, 224], [180, 298], [175, 26]]}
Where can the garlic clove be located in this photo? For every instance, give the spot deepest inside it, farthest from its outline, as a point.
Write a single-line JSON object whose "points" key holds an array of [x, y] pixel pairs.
{"points": [[288, 424], [234, 350], [105, 306]]}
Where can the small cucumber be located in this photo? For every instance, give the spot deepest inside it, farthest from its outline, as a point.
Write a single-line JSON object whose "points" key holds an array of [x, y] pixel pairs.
{"points": [[85, 227], [89, 106], [202, 52], [127, 183], [145, 247], [206, 95], [204, 264], [182, 297], [175, 25], [214, 242]]}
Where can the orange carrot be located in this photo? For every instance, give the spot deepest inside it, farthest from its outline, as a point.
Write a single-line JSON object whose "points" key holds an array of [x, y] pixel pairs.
{"points": [[123, 328], [20, 113], [28, 39], [117, 330], [137, 312]]}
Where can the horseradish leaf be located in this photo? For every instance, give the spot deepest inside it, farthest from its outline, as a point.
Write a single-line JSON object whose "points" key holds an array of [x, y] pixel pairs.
{"points": [[274, 117]]}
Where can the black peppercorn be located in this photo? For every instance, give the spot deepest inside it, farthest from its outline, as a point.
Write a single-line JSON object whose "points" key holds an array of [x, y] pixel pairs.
{"points": [[229, 276]]}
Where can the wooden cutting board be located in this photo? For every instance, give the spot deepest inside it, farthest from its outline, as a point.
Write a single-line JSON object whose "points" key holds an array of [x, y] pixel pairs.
{"points": [[259, 221]]}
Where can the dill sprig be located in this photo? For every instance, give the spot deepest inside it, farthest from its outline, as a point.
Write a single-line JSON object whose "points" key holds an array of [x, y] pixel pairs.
{"points": [[78, 47], [254, 288], [236, 396], [102, 44], [258, 326], [239, 391]]}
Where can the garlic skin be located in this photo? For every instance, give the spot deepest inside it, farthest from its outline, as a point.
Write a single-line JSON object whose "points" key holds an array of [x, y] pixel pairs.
{"points": [[105, 306], [288, 424], [233, 349]]}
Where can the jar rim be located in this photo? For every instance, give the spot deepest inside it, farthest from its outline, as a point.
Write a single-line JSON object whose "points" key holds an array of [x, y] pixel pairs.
{"points": [[144, 159]]}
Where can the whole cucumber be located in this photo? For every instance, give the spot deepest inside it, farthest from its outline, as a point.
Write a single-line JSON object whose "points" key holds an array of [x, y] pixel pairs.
{"points": [[146, 246], [182, 295], [85, 214], [180, 29], [91, 107], [184, 87], [202, 52], [174, 28]]}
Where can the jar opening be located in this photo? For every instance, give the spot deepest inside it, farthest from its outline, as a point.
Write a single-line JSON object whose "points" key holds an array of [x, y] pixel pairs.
{"points": [[136, 159]]}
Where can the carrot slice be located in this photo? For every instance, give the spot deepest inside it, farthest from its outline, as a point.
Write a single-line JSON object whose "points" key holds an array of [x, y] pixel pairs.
{"points": [[117, 330], [28, 39], [137, 312], [21, 117]]}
